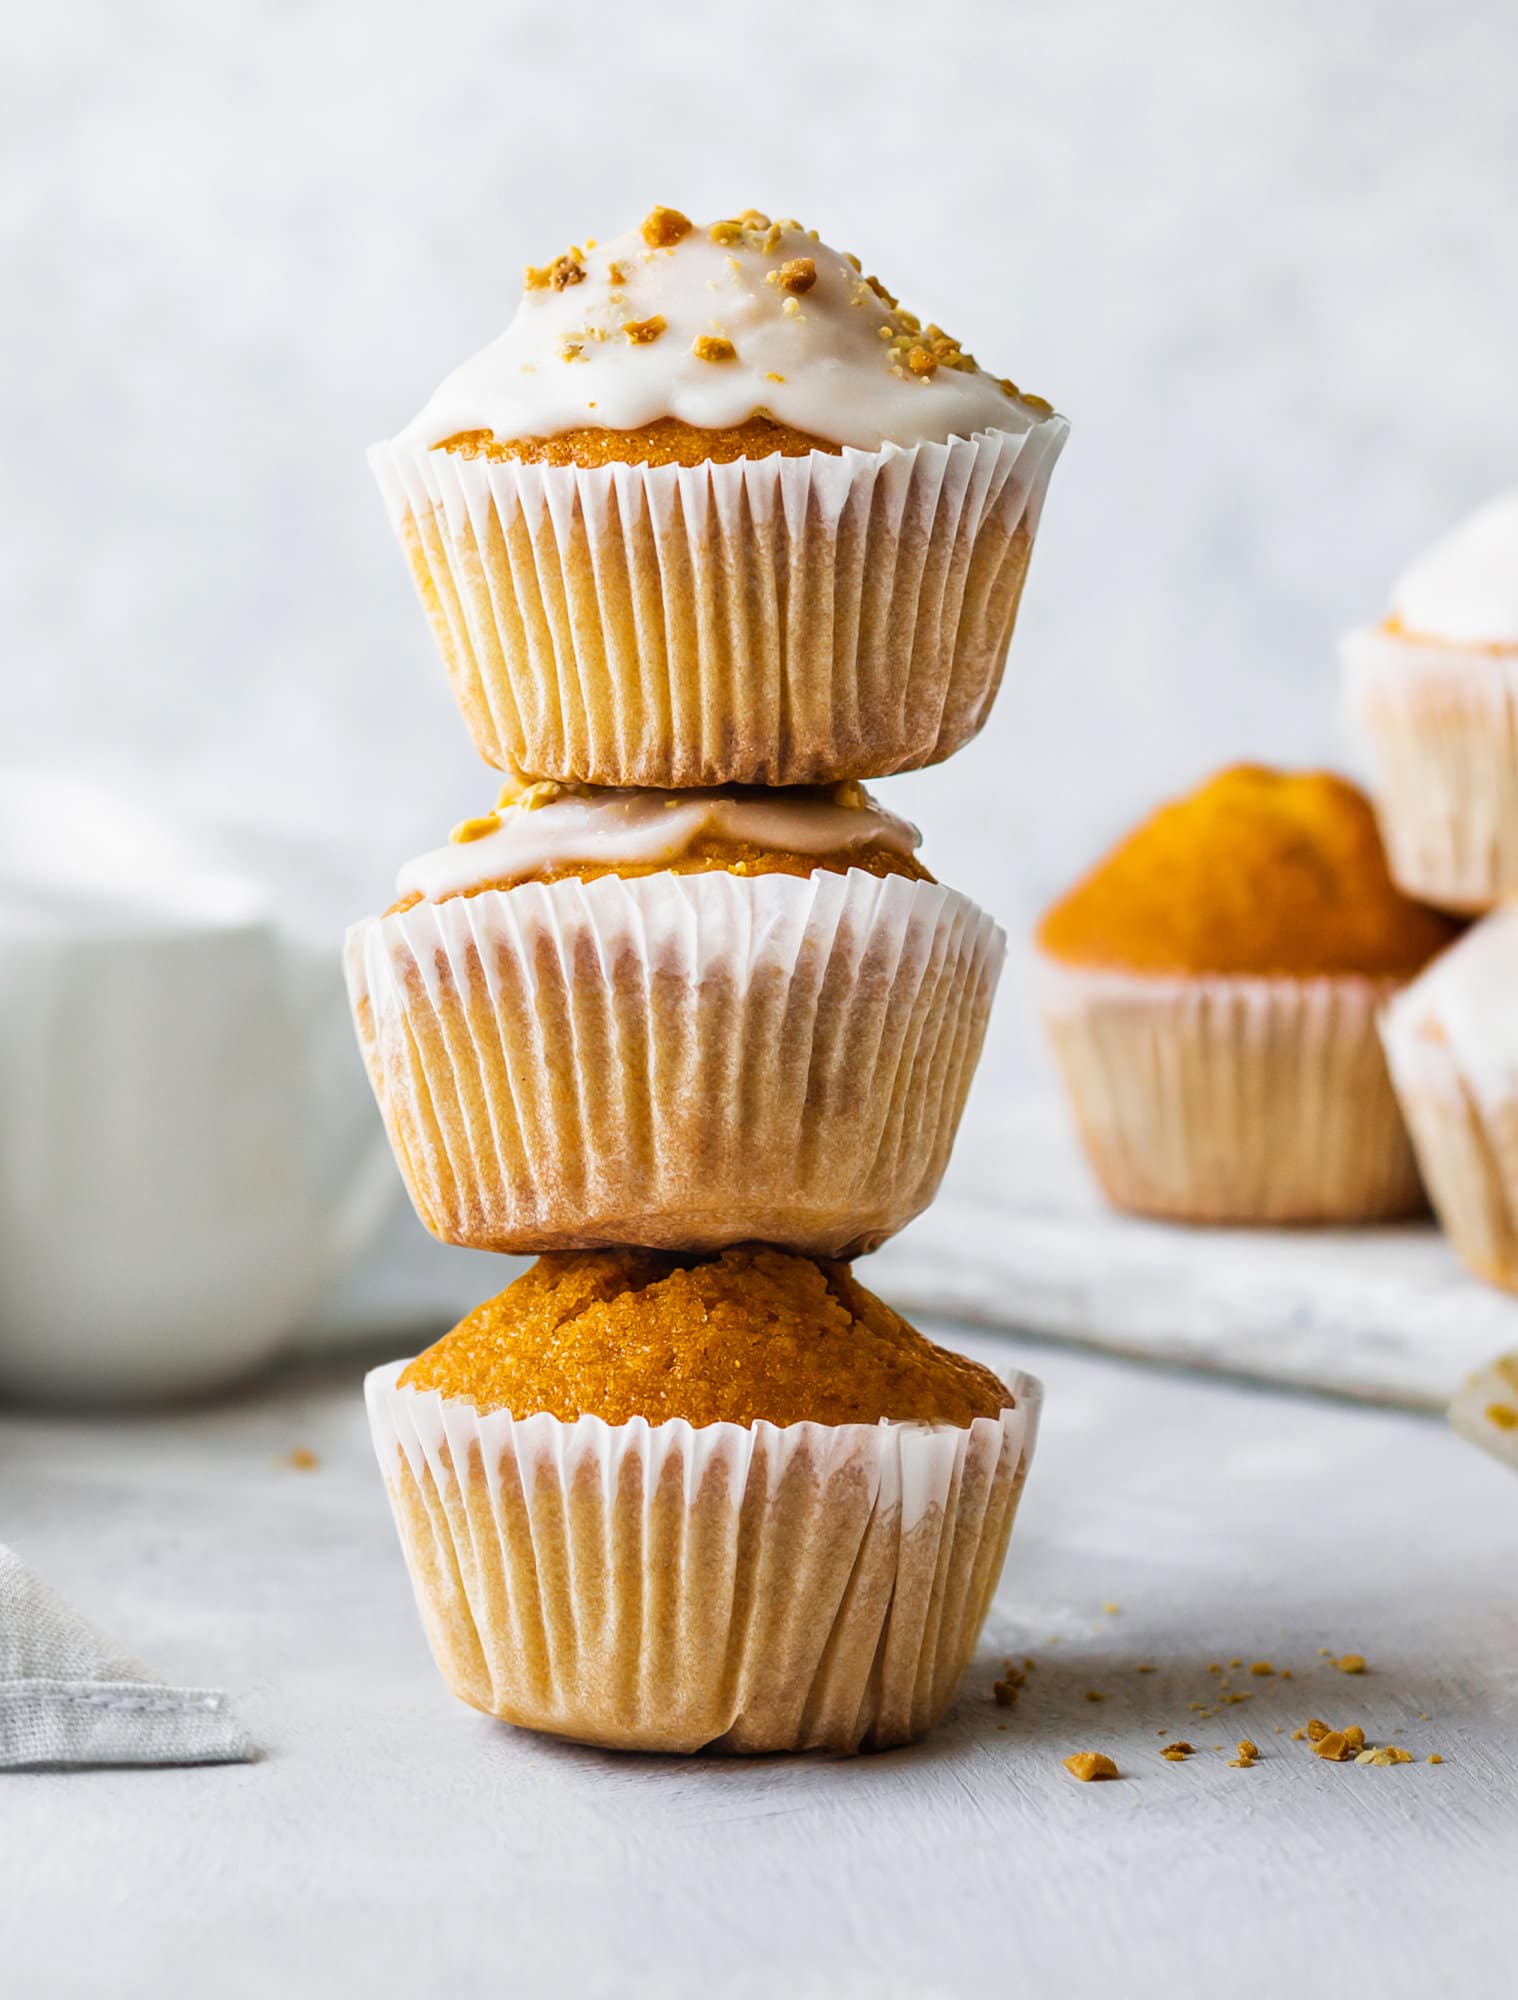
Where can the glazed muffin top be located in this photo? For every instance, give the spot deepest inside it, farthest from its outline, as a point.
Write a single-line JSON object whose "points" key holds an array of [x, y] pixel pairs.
{"points": [[1464, 590], [546, 832], [1258, 872], [683, 343], [752, 1335]]}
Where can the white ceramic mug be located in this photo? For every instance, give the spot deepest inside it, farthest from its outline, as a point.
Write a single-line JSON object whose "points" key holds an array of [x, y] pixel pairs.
{"points": [[186, 1155]]}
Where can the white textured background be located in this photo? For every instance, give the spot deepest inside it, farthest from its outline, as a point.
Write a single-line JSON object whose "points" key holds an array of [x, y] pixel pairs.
{"points": [[1261, 252]]}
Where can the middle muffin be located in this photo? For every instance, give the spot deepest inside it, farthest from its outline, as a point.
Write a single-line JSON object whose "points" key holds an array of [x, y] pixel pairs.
{"points": [[674, 1019]]}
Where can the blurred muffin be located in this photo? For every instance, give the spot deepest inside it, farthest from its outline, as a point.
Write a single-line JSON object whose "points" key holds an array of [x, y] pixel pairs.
{"points": [[1452, 1042], [715, 509], [679, 1019], [1210, 992], [1434, 688], [659, 1502]]}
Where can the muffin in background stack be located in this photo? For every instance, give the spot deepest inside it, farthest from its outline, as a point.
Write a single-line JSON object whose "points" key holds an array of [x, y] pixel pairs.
{"points": [[1210, 993], [1452, 1043], [1434, 689], [714, 530]]}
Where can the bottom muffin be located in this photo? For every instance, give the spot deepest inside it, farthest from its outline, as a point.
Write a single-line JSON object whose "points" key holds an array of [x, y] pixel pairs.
{"points": [[664, 1502]]}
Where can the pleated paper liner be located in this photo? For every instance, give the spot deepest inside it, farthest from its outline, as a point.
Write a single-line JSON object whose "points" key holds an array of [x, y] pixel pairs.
{"points": [[680, 1061], [1467, 1144], [1232, 1099], [770, 621], [734, 1588], [1441, 723]]}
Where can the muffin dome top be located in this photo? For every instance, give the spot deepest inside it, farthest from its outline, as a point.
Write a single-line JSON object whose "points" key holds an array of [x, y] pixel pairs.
{"points": [[1465, 588], [753, 1335], [747, 326], [545, 831], [1256, 872]]}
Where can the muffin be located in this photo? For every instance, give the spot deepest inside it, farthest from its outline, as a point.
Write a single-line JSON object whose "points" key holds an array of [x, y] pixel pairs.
{"points": [[1210, 992], [673, 1019], [665, 1502], [1452, 1042], [1434, 689], [715, 509]]}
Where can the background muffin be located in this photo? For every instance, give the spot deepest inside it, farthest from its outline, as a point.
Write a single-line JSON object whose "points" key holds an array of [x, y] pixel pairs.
{"points": [[1452, 1042], [677, 1019], [666, 1503], [1210, 992], [715, 508], [1434, 688]]}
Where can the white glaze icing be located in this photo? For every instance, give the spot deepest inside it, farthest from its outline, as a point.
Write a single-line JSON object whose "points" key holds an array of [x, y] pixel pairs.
{"points": [[1465, 587], [1468, 994], [814, 360], [633, 828]]}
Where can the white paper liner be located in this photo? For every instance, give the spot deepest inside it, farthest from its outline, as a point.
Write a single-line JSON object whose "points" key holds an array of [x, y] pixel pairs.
{"points": [[1210, 1099], [1441, 723], [680, 1061], [1466, 1138], [770, 621], [663, 1587]]}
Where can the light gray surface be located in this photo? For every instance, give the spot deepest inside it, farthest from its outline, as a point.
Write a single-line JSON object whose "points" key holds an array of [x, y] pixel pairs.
{"points": [[1020, 1239], [393, 1843]]}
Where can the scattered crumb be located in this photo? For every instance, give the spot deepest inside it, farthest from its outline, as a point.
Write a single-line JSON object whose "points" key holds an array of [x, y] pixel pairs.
{"points": [[1093, 1695], [1006, 1690], [1111, 1610], [1434, 1757], [301, 1459], [1332, 1746], [1350, 1663], [1144, 1668], [1261, 1667], [1316, 1730], [1286, 1673], [1180, 1748], [1325, 1652], [1424, 1716], [1213, 1667], [1089, 1764]]}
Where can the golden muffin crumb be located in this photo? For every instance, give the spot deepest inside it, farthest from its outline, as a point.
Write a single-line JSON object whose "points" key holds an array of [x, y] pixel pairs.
{"points": [[754, 1334], [1089, 1764], [666, 441], [664, 227], [1257, 872]]}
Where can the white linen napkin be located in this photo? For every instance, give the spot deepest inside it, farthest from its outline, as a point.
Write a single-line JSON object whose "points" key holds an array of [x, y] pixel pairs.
{"points": [[67, 1696]]}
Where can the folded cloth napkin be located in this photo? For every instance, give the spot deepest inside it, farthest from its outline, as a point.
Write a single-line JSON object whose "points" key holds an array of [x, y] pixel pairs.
{"points": [[68, 1697]]}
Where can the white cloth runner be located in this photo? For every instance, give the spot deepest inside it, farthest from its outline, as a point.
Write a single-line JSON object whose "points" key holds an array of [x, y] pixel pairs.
{"points": [[68, 1697]]}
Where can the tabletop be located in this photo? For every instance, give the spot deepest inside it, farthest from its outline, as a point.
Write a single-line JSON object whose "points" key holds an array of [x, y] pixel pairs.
{"points": [[1176, 1533]]}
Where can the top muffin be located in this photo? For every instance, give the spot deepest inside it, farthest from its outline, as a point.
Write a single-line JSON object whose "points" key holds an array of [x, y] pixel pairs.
{"points": [[716, 509], [674, 344]]}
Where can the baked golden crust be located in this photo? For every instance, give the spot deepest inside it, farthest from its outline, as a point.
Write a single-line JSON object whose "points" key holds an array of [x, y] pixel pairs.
{"points": [[1258, 872], [754, 1334], [668, 441]]}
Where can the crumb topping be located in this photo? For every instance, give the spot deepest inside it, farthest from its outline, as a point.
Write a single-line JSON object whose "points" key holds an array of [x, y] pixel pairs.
{"points": [[663, 228], [557, 276], [641, 331], [713, 347]]}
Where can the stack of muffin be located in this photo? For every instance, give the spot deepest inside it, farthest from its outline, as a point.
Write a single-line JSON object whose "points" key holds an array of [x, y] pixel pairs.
{"points": [[714, 531]]}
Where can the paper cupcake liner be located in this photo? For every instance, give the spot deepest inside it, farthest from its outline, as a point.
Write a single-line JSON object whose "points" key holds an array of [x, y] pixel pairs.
{"points": [[679, 1061], [734, 1588], [772, 621], [1441, 723], [1466, 1141], [1232, 1100]]}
